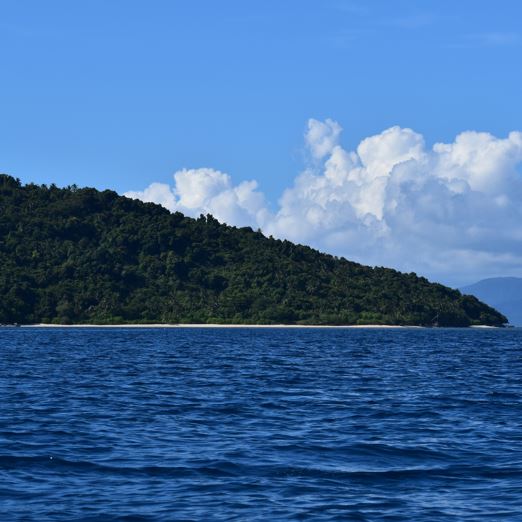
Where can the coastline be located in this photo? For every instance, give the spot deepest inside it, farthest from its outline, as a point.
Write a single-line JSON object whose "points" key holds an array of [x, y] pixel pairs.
{"points": [[206, 325], [235, 326]]}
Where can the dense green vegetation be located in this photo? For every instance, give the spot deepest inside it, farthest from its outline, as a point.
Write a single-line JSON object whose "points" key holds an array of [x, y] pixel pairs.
{"points": [[83, 256]]}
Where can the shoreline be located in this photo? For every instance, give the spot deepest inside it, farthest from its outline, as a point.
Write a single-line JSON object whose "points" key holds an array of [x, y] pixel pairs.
{"points": [[206, 325], [235, 326]]}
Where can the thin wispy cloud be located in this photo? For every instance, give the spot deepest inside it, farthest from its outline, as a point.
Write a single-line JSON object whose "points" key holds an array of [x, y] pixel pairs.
{"points": [[411, 21], [369, 14], [488, 39], [351, 7], [372, 26]]}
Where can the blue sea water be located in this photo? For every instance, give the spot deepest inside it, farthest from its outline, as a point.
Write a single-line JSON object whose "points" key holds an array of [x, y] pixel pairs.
{"points": [[300, 424]]}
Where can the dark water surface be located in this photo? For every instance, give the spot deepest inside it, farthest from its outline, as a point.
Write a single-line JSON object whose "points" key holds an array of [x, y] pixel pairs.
{"points": [[247, 424]]}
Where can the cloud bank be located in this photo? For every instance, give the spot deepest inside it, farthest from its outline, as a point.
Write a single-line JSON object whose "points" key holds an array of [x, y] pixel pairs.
{"points": [[451, 212]]}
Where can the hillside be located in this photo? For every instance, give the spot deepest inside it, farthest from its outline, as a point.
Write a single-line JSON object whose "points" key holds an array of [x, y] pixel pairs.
{"points": [[504, 293], [83, 256]]}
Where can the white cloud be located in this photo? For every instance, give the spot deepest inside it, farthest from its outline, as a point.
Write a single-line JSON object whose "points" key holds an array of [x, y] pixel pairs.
{"points": [[322, 137], [452, 212], [160, 193], [208, 191]]}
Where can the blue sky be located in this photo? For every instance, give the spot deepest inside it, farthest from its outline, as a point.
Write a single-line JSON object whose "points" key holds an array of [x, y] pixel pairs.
{"points": [[121, 94]]}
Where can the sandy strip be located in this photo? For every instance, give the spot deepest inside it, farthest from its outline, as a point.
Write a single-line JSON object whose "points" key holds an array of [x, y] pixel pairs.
{"points": [[208, 326], [482, 326]]}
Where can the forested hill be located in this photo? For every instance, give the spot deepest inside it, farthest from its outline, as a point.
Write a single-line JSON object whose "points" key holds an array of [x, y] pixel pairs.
{"points": [[83, 256]]}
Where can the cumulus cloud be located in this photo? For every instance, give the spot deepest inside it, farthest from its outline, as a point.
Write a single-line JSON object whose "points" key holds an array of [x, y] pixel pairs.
{"points": [[322, 137], [451, 212], [208, 191]]}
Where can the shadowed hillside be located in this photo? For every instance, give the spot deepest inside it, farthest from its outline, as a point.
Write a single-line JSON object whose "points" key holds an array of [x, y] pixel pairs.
{"points": [[84, 256]]}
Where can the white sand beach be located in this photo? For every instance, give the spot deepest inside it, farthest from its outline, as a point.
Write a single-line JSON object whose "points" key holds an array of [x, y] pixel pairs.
{"points": [[42, 325]]}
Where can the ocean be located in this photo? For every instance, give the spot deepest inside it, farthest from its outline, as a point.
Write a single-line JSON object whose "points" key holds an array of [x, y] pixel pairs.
{"points": [[250, 424]]}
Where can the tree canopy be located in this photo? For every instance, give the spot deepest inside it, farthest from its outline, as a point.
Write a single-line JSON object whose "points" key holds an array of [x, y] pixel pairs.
{"points": [[86, 256]]}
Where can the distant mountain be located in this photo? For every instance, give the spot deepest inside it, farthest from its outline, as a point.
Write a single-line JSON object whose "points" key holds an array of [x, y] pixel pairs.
{"points": [[502, 293], [84, 256]]}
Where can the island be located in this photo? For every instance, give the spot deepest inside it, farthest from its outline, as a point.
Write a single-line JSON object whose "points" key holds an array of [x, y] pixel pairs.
{"points": [[82, 256]]}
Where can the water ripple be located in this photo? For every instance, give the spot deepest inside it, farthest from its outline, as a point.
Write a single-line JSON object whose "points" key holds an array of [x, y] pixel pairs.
{"points": [[157, 425]]}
